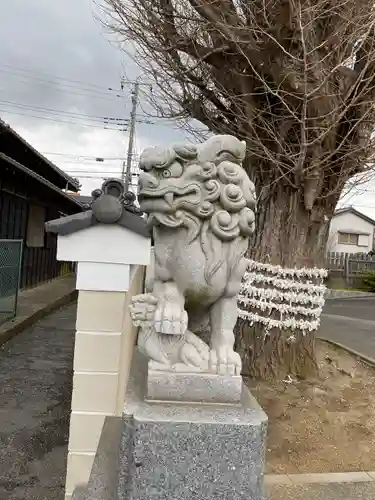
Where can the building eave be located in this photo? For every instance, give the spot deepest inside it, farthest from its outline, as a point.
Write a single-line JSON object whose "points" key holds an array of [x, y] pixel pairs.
{"points": [[353, 231], [42, 180], [65, 178]]}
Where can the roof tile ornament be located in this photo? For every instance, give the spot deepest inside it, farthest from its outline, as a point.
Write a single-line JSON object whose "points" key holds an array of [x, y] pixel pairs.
{"points": [[111, 200], [111, 204]]}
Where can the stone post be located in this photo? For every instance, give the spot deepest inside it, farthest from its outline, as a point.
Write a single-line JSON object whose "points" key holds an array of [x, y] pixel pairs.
{"points": [[110, 244]]}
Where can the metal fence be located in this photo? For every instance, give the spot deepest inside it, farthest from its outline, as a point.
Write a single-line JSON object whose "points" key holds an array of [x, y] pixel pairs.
{"points": [[349, 268], [350, 263], [40, 265], [10, 272]]}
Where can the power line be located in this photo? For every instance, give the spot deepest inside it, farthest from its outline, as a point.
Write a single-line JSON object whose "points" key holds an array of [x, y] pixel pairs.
{"points": [[77, 161], [63, 112], [117, 175], [91, 164], [78, 116], [67, 85], [91, 174], [71, 114], [83, 156], [101, 163], [92, 171], [54, 77], [99, 172], [107, 94], [61, 121], [93, 96], [49, 76], [101, 177]]}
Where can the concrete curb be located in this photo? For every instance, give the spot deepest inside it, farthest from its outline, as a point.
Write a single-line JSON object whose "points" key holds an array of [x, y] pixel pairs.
{"points": [[7, 332], [323, 478], [362, 357], [348, 296]]}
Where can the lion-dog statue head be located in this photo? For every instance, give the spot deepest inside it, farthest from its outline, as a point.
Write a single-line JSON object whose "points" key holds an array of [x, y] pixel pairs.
{"points": [[203, 189]]}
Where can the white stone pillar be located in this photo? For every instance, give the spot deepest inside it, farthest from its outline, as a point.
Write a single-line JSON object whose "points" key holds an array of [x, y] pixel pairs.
{"points": [[111, 260]]}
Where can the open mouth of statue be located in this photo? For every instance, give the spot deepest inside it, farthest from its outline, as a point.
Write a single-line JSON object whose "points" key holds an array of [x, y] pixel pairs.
{"points": [[171, 194]]}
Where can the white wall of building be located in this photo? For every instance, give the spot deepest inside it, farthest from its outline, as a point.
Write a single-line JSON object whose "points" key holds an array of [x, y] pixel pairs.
{"points": [[348, 221]]}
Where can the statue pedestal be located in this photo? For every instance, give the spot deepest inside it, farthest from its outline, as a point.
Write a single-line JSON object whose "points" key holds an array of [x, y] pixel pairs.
{"points": [[189, 387], [191, 450]]}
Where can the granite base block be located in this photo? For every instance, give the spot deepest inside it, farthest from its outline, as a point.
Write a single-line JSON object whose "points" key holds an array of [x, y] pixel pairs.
{"points": [[193, 387], [104, 477], [181, 451]]}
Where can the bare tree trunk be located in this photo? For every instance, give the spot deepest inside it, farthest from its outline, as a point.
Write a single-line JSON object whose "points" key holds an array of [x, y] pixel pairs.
{"points": [[292, 237], [273, 357], [286, 233]]}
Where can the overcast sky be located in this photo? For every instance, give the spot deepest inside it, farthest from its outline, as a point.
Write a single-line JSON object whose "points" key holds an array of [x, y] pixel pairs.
{"points": [[57, 64]]}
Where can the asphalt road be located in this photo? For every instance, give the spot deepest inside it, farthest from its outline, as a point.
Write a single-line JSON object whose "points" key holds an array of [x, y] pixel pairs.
{"points": [[360, 308], [350, 322]]}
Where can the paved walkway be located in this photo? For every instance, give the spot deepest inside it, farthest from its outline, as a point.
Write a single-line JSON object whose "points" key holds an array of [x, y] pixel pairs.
{"points": [[35, 394], [350, 322], [35, 303]]}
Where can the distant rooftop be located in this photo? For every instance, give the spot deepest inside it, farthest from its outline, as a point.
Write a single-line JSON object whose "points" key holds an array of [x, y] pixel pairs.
{"points": [[356, 212], [82, 199], [17, 148]]}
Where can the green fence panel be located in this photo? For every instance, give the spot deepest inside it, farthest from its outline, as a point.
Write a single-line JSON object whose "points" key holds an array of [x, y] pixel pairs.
{"points": [[10, 273]]}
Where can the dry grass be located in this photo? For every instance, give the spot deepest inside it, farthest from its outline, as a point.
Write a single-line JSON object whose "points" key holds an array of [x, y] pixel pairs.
{"points": [[325, 424]]}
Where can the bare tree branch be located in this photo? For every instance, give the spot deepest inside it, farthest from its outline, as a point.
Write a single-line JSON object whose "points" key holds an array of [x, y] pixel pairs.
{"points": [[294, 78]]}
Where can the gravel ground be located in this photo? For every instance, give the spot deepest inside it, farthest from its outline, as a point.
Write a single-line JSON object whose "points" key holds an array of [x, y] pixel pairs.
{"points": [[35, 394]]}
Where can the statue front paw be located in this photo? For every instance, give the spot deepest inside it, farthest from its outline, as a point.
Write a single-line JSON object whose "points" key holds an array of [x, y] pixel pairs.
{"points": [[195, 352], [170, 318], [225, 361]]}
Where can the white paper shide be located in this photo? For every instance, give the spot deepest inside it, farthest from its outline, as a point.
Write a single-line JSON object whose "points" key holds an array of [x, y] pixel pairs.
{"points": [[282, 298]]}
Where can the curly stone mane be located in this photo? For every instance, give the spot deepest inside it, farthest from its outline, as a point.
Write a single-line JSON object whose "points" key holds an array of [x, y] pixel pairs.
{"points": [[212, 195]]}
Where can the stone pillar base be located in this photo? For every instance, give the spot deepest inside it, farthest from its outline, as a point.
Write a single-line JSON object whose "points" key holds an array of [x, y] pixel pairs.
{"points": [[186, 451]]}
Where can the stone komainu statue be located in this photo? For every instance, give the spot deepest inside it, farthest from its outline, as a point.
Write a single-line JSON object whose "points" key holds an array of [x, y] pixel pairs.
{"points": [[200, 205]]}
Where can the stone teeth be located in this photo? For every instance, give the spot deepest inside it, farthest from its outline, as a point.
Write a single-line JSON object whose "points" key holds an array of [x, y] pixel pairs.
{"points": [[168, 198]]}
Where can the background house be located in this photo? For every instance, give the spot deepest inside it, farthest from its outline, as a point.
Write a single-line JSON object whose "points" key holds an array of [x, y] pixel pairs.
{"points": [[351, 232], [31, 193], [84, 200]]}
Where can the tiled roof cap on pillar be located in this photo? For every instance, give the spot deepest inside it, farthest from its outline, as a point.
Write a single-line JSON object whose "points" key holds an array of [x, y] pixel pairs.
{"points": [[110, 205]]}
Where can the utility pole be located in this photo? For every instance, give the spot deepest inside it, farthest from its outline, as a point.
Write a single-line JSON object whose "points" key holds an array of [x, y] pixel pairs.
{"points": [[126, 167]]}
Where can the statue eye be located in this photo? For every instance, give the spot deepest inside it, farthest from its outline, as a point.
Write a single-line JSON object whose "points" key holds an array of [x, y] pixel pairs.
{"points": [[166, 174]]}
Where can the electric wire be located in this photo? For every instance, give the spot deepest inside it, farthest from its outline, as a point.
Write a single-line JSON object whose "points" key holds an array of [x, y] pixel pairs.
{"points": [[61, 121]]}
